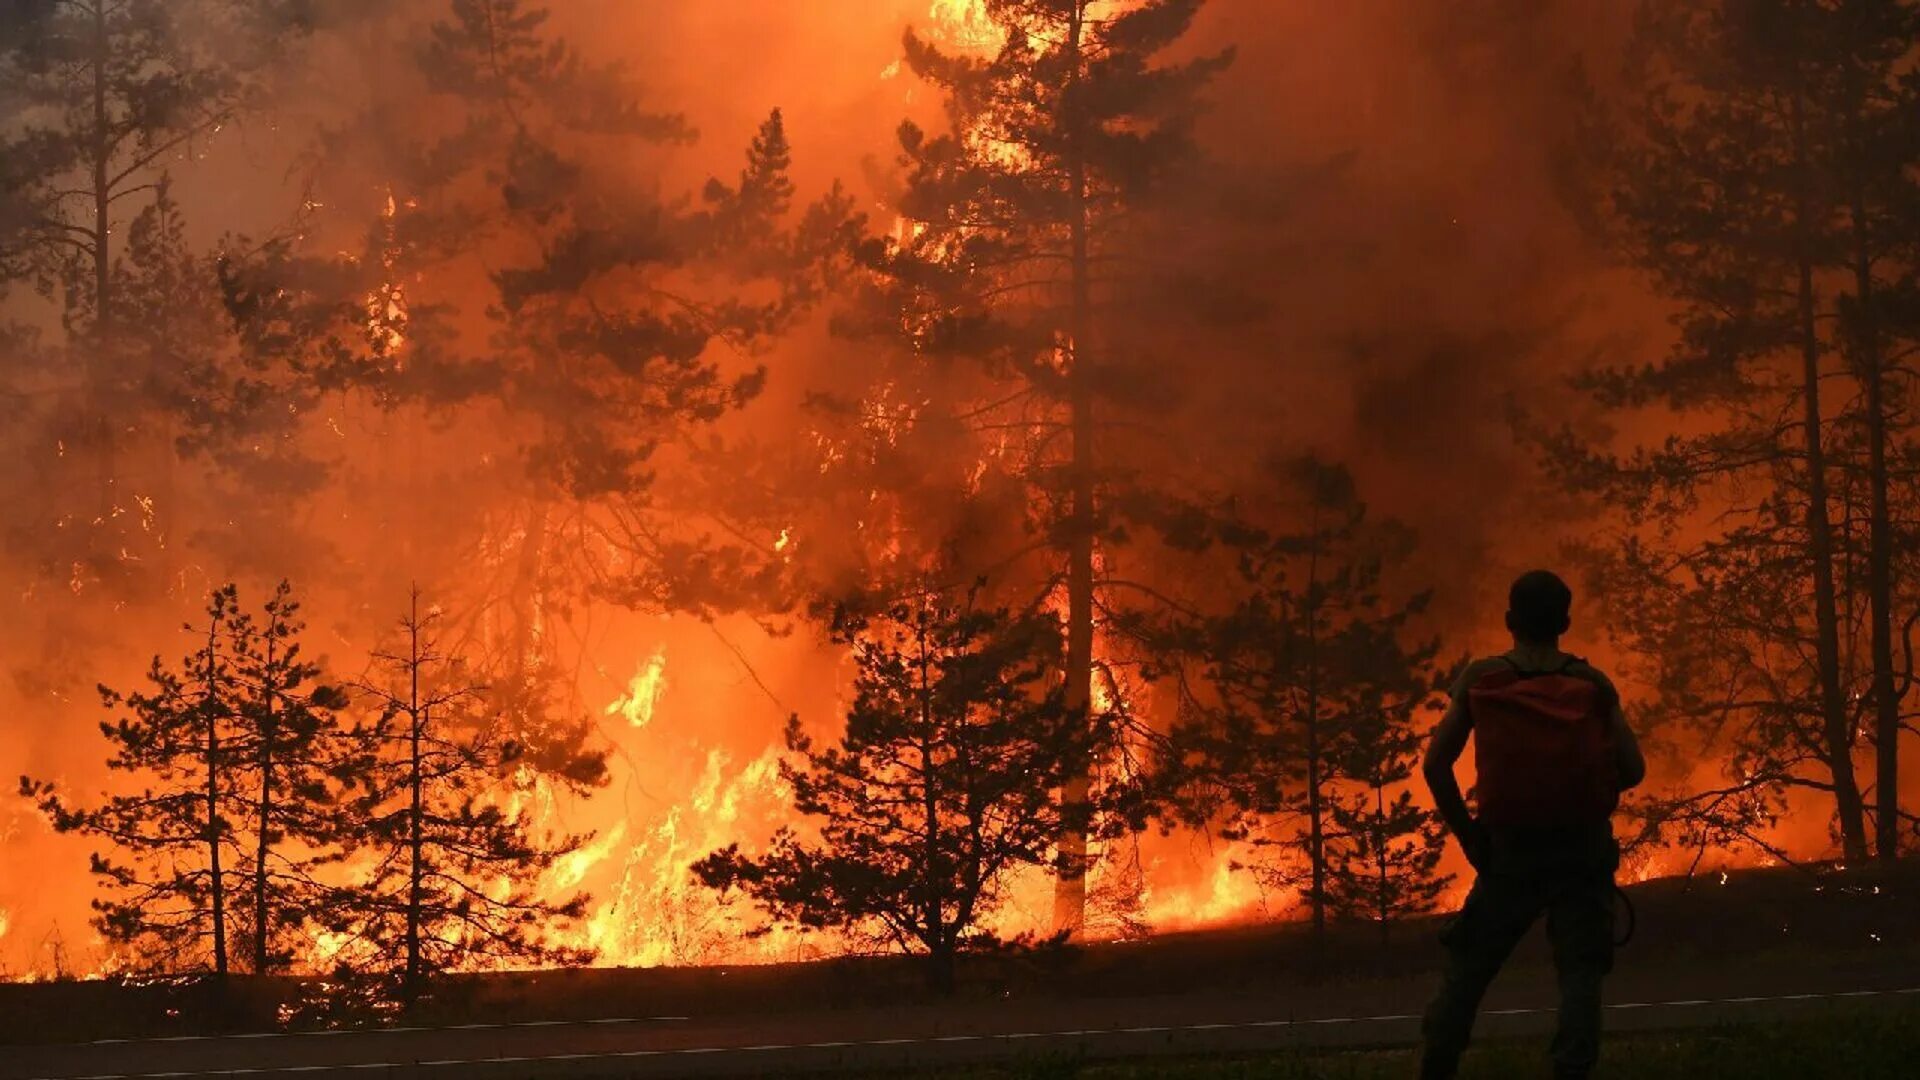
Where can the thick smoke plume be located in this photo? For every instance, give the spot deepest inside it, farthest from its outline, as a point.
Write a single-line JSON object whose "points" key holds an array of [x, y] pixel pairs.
{"points": [[1375, 263]]}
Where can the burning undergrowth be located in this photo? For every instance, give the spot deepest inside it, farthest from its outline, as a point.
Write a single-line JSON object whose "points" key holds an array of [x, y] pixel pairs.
{"points": [[1131, 326]]}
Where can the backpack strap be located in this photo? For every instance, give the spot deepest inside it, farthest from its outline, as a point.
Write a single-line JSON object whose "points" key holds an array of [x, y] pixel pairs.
{"points": [[1566, 665], [1609, 694]]}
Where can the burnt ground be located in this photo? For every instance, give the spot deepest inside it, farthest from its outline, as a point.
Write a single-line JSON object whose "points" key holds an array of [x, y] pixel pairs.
{"points": [[1705, 951]]}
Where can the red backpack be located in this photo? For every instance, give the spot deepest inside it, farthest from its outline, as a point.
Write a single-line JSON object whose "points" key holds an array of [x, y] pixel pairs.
{"points": [[1543, 747]]}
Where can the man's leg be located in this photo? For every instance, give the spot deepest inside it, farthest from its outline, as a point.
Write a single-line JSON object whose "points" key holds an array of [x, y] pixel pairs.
{"points": [[1580, 925], [1493, 920]]}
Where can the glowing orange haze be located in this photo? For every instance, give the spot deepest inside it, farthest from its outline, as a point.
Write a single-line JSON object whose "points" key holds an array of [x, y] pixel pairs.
{"points": [[693, 710]]}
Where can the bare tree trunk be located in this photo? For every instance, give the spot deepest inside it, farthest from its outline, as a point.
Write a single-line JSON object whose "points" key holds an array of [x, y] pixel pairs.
{"points": [[1380, 856], [1070, 897], [1316, 809], [1886, 701], [98, 370], [528, 571], [416, 834], [940, 951], [1839, 735], [217, 880], [265, 819]]}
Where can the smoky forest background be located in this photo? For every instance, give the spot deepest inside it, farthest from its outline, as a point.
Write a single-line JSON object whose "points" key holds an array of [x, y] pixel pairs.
{"points": [[491, 484]]}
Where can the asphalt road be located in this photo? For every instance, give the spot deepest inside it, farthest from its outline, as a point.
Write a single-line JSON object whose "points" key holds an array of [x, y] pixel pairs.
{"points": [[661, 1046]]}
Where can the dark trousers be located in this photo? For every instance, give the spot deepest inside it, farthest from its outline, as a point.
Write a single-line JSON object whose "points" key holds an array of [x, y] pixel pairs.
{"points": [[1568, 875]]}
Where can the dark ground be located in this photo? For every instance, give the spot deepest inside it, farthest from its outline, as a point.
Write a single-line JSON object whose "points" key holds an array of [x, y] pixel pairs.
{"points": [[1827, 1043], [1774, 934]]}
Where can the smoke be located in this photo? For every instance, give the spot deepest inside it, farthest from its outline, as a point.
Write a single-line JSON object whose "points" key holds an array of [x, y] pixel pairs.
{"points": [[1374, 263]]}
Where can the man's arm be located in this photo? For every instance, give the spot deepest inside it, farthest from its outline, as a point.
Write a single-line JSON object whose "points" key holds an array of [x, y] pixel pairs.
{"points": [[1629, 765], [1449, 742]]}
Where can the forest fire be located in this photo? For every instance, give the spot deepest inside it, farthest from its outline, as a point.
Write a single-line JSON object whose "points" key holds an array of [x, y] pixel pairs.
{"points": [[1022, 499]]}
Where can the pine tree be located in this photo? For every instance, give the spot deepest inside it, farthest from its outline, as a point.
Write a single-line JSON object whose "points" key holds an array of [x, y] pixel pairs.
{"points": [[1709, 619], [521, 279], [1755, 179], [111, 94], [1867, 100], [290, 752], [169, 903], [456, 861], [1384, 856], [118, 89], [1306, 719], [939, 787], [214, 431], [1013, 232], [240, 748], [637, 288], [523, 276]]}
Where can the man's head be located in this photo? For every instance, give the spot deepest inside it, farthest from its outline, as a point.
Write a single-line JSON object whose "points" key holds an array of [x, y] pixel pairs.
{"points": [[1538, 607]]}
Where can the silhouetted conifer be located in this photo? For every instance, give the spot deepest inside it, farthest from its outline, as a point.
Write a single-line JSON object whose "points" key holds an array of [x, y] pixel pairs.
{"points": [[290, 752], [446, 831], [1010, 255], [939, 788], [1304, 730], [1756, 176], [237, 749]]}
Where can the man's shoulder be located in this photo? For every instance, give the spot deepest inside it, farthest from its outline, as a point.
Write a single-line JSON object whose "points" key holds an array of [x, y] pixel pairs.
{"points": [[1489, 665], [1479, 669], [1486, 665]]}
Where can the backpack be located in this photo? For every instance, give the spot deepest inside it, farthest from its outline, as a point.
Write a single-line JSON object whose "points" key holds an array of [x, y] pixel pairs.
{"points": [[1543, 747]]}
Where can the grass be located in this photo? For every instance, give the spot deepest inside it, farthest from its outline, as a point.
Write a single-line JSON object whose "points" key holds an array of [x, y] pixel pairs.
{"points": [[1831, 1044]]}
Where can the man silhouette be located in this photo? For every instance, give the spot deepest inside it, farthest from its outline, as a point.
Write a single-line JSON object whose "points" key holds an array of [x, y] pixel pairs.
{"points": [[1552, 753]]}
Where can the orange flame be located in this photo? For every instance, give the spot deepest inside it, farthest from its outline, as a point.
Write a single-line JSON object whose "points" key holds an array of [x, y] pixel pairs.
{"points": [[644, 691], [386, 306]]}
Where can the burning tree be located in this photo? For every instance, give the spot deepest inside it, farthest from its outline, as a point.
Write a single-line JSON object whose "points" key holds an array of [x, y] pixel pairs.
{"points": [[1009, 256], [1304, 730], [611, 333], [455, 871], [544, 335], [939, 788], [524, 282], [1756, 180], [239, 748]]}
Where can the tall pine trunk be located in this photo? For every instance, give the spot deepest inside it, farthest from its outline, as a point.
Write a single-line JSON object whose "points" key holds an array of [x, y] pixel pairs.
{"points": [[264, 819], [1839, 735], [416, 832], [1070, 898], [1382, 855], [932, 874], [97, 370], [1879, 546], [528, 570], [217, 880], [102, 153], [1316, 803]]}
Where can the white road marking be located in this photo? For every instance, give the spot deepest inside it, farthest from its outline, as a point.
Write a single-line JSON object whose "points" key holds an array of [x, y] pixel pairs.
{"points": [[390, 1030], [611, 1055]]}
